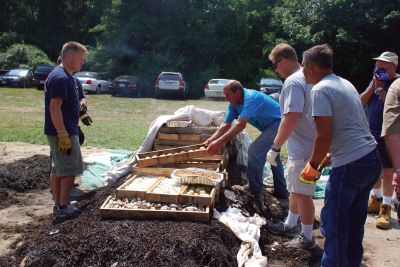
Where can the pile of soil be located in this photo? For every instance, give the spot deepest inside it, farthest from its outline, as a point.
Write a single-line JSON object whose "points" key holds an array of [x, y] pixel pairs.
{"points": [[91, 241], [26, 174]]}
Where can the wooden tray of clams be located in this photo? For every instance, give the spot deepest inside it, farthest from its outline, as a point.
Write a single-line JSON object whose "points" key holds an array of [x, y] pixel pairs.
{"points": [[198, 195], [172, 155], [136, 208], [137, 185]]}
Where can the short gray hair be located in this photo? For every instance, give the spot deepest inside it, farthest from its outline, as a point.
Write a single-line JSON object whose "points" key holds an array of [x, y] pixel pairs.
{"points": [[320, 55]]}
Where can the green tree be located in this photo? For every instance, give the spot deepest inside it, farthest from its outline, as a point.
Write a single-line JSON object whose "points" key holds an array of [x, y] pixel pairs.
{"points": [[356, 30], [18, 55]]}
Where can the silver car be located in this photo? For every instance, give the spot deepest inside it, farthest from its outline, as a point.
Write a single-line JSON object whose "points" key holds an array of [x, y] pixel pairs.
{"points": [[215, 88], [92, 82]]}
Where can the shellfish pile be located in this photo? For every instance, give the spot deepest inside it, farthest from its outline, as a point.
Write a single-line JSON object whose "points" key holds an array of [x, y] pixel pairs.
{"points": [[142, 183], [138, 203], [167, 186], [198, 191]]}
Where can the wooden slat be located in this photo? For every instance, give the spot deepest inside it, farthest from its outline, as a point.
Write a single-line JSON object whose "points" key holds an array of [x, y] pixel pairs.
{"points": [[183, 137], [188, 130], [176, 142], [170, 155], [153, 171]]}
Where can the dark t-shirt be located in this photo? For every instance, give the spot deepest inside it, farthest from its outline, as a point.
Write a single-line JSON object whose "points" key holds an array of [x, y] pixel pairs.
{"points": [[60, 84], [375, 112]]}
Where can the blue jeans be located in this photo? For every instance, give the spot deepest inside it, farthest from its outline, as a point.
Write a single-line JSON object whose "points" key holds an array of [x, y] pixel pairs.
{"points": [[345, 210], [257, 156]]}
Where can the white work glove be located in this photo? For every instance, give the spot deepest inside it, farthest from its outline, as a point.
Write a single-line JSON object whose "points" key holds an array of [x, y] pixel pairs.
{"points": [[271, 157]]}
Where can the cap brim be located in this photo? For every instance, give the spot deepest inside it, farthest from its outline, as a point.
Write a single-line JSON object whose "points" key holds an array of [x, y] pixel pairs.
{"points": [[382, 59]]}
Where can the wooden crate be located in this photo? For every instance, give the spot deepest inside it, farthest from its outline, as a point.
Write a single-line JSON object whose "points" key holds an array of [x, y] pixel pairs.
{"points": [[200, 138], [188, 130], [122, 213], [123, 192], [160, 197], [172, 155], [184, 198]]}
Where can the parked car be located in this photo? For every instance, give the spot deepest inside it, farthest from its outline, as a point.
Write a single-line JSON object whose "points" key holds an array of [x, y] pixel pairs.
{"points": [[40, 75], [125, 85], [17, 78], [92, 82], [215, 88], [271, 87], [171, 83]]}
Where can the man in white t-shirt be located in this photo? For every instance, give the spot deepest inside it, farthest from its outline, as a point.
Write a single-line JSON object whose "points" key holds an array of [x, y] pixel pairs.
{"points": [[342, 129], [297, 128]]}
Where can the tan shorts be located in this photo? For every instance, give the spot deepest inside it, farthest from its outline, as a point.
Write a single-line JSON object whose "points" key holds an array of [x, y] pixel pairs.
{"points": [[295, 166], [391, 113], [63, 164]]}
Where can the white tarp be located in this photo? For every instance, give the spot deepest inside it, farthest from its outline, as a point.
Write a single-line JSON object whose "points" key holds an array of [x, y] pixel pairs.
{"points": [[246, 229]]}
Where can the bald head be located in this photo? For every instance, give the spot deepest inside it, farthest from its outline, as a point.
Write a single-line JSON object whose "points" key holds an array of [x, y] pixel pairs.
{"points": [[233, 91], [234, 86]]}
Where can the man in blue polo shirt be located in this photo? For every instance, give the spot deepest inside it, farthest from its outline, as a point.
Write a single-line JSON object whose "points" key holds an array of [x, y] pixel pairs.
{"points": [[62, 107], [261, 111]]}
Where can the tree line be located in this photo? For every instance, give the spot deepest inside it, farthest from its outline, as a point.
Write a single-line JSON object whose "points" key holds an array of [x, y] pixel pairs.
{"points": [[202, 39]]}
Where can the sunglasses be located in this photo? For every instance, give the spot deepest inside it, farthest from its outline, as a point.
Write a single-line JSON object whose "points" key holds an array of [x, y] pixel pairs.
{"points": [[277, 62]]}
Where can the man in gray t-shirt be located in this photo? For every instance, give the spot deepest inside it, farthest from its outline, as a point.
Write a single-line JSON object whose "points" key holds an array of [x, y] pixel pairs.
{"points": [[341, 129], [297, 128]]}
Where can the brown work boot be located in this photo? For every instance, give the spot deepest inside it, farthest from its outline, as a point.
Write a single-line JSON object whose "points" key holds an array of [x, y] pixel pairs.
{"points": [[383, 221], [243, 188], [374, 205]]}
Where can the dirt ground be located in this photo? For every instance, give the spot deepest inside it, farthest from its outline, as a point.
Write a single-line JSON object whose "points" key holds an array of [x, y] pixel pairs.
{"points": [[27, 231]]}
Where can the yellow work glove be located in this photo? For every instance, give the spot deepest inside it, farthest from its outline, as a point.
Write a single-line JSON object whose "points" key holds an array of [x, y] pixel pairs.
{"points": [[309, 175], [64, 143]]}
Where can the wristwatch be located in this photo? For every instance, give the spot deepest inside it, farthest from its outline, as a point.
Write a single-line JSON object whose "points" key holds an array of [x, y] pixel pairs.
{"points": [[275, 148], [378, 89]]}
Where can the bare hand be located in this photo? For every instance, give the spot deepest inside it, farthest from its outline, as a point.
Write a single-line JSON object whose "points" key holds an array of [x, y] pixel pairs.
{"points": [[214, 147], [377, 83]]}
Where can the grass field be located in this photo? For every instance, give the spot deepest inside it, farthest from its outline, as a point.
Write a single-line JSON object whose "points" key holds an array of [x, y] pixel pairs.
{"points": [[118, 123]]}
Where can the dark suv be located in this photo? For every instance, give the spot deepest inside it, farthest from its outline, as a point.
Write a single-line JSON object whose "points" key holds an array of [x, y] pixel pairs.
{"points": [[40, 75]]}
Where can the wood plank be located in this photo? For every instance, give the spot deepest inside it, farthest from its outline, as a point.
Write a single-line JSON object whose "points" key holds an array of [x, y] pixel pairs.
{"points": [[170, 155], [188, 130], [176, 142], [185, 137], [153, 171]]}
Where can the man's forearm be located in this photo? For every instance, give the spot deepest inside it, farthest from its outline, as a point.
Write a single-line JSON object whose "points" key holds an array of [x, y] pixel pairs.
{"points": [[220, 131], [286, 128], [321, 148], [57, 119], [366, 95], [232, 132]]}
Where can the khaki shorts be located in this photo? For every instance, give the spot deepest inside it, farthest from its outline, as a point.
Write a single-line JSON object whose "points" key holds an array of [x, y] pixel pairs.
{"points": [[63, 164], [295, 166]]}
